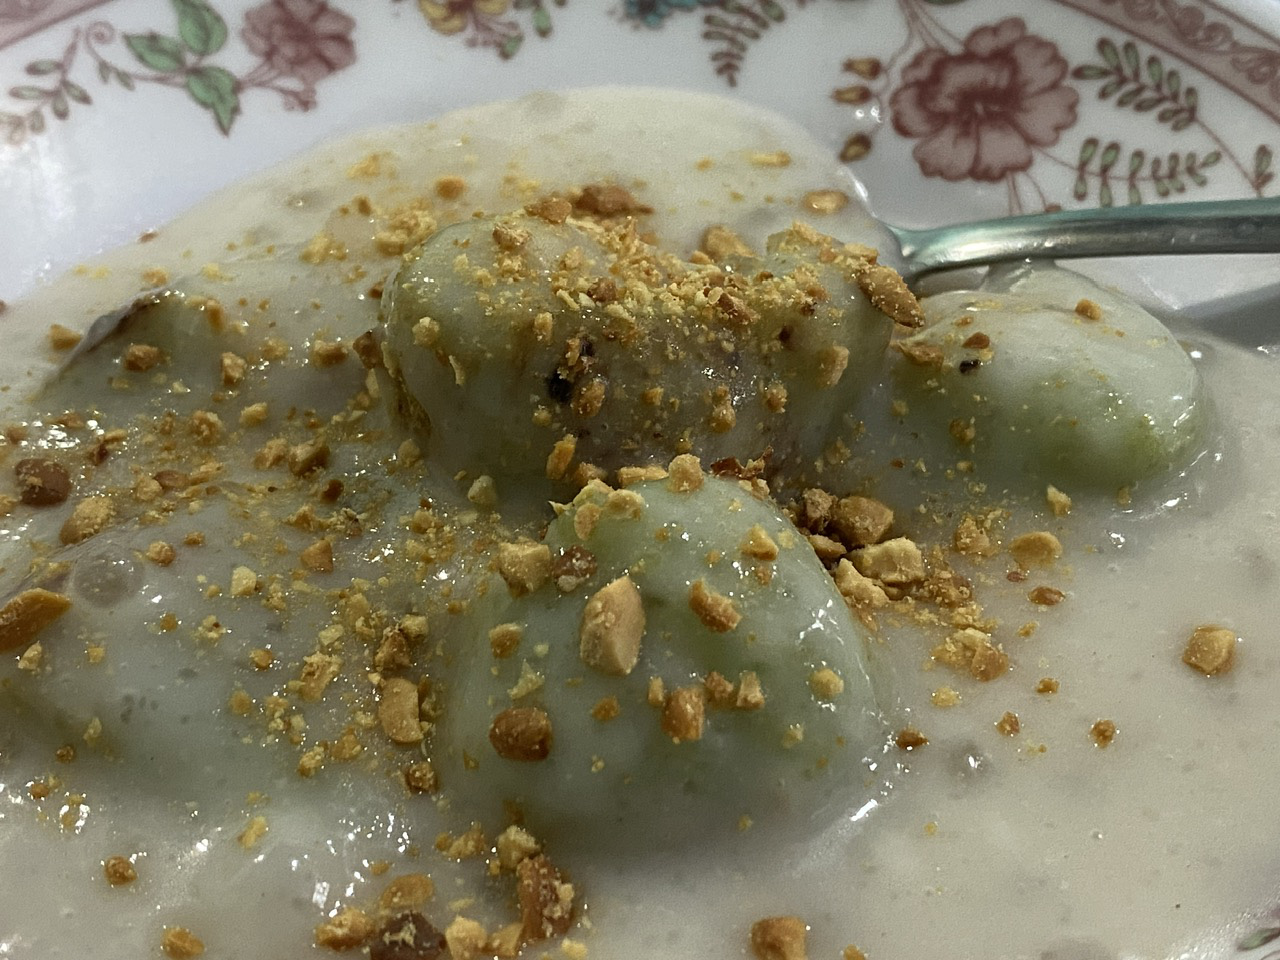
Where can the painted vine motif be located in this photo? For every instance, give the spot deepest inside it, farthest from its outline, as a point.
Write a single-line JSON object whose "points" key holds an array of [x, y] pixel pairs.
{"points": [[1258, 939], [1000, 104], [297, 44], [495, 24], [729, 26]]}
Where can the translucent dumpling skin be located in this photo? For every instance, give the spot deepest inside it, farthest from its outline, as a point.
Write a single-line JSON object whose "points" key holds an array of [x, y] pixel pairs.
{"points": [[671, 659], [535, 351], [1043, 374]]}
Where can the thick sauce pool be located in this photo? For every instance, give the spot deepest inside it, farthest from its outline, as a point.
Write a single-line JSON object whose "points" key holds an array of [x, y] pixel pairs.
{"points": [[209, 743]]}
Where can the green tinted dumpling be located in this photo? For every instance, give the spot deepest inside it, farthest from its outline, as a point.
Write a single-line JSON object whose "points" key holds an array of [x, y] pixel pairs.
{"points": [[1043, 374], [509, 337], [691, 659]]}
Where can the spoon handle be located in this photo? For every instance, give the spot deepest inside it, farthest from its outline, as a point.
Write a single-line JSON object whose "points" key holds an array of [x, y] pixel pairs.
{"points": [[1213, 226]]}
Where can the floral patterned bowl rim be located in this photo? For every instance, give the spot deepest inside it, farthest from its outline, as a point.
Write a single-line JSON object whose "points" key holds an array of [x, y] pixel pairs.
{"points": [[117, 114]]}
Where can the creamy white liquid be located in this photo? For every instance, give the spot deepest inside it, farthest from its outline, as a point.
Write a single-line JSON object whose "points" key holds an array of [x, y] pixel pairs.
{"points": [[982, 846]]}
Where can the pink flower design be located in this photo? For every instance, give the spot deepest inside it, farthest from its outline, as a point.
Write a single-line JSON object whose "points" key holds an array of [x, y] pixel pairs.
{"points": [[304, 39], [979, 112]]}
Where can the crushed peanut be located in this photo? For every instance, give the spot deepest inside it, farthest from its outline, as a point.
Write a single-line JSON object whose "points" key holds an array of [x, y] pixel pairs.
{"points": [[780, 938], [398, 711], [27, 614], [1210, 650], [521, 733], [716, 611], [612, 625], [180, 943], [1035, 549]]}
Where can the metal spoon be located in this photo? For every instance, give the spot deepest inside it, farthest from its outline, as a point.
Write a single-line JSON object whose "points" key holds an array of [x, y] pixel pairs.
{"points": [[1211, 226]]}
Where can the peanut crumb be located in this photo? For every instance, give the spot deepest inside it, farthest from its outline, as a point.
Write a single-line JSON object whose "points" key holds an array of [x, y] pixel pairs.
{"points": [[894, 562], [521, 733], [1046, 596], [450, 188], [860, 521], [233, 369], [775, 158], [119, 871], [406, 892], [685, 474], [63, 338], [420, 777], [684, 714], [826, 684], [504, 639], [244, 582], [780, 938], [546, 900], [27, 614], [1047, 685], [759, 545], [515, 845], [1009, 724], [944, 697], [180, 943], [750, 693], [161, 553], [716, 611], [254, 831], [656, 692], [140, 357], [524, 565], [88, 518], [630, 476], [1037, 549], [909, 738], [318, 556], [1103, 733], [398, 711], [606, 708], [346, 930], [612, 625], [825, 201], [1089, 309], [1058, 501], [1210, 650], [720, 243]]}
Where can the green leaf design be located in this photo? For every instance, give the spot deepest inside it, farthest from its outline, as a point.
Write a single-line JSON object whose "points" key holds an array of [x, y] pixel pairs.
{"points": [[1141, 87], [61, 109], [510, 46], [1100, 167], [1109, 53], [154, 50], [1264, 935], [943, 3], [1109, 156], [27, 93], [215, 89], [1131, 56], [201, 28], [35, 121], [40, 68], [76, 92], [1262, 174], [542, 22]]}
